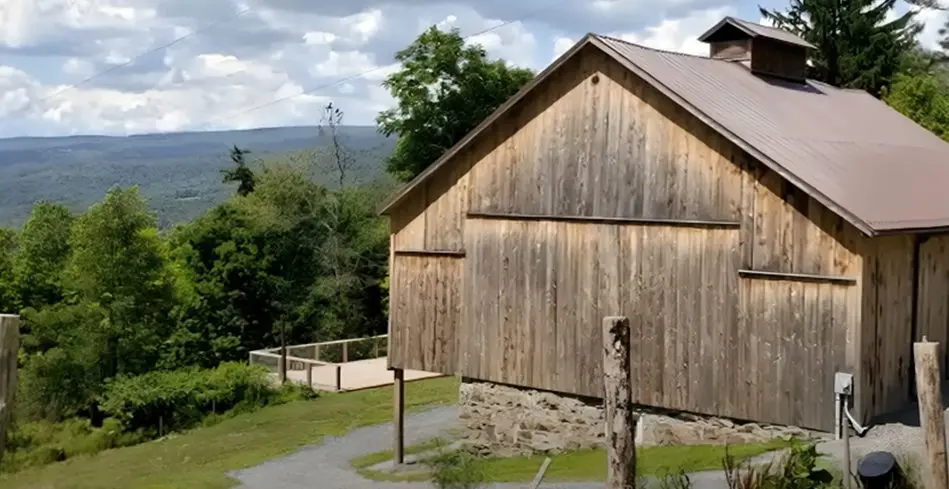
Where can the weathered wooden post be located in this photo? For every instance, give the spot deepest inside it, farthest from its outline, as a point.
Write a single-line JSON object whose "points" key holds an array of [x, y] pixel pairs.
{"points": [[618, 401], [398, 415], [931, 413], [9, 347]]}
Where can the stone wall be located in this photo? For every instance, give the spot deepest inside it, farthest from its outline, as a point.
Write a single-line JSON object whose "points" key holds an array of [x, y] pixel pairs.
{"points": [[505, 420]]}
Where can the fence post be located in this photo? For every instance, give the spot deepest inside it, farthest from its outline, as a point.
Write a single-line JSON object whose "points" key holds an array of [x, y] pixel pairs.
{"points": [[316, 352], [9, 347], [339, 378], [931, 414], [282, 367], [345, 352], [309, 374], [618, 403]]}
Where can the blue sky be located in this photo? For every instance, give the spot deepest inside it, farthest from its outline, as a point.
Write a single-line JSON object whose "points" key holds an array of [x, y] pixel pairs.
{"points": [[219, 76]]}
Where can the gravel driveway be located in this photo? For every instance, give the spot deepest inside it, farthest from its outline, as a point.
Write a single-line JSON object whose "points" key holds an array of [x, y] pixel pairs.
{"points": [[326, 465]]}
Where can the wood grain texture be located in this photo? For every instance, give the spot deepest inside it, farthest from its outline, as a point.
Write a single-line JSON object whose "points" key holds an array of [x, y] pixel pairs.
{"points": [[9, 347], [424, 312], [536, 280], [887, 329], [933, 302]]}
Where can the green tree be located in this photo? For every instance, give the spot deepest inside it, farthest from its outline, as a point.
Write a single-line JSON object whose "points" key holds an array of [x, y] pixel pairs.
{"points": [[240, 173], [856, 46], [119, 267], [923, 97], [443, 90], [42, 254], [9, 302]]}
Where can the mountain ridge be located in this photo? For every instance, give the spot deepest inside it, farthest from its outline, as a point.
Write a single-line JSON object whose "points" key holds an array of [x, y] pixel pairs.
{"points": [[179, 173]]}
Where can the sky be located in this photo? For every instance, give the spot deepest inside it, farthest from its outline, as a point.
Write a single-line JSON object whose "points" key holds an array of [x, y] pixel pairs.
{"points": [[263, 63]]}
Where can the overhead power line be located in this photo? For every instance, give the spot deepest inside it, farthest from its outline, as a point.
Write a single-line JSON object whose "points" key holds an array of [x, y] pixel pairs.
{"points": [[309, 91], [119, 66]]}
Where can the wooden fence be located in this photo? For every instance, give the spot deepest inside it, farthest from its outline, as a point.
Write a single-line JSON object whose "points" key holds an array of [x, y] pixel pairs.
{"points": [[327, 355]]}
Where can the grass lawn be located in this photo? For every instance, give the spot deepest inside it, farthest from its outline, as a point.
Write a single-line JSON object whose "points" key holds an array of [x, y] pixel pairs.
{"points": [[200, 459], [586, 465]]}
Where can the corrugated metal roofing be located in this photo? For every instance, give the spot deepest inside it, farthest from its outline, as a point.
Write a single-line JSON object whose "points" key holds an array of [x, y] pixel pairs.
{"points": [[844, 145]]}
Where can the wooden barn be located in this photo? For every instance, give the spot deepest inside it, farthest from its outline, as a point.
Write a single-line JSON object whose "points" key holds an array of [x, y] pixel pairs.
{"points": [[761, 231]]}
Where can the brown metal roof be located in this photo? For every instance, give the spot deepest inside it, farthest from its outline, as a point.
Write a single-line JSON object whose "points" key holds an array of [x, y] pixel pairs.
{"points": [[853, 153], [757, 30], [849, 150]]}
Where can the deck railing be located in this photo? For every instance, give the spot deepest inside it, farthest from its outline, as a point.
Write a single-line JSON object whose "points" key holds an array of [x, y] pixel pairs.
{"points": [[326, 355]]}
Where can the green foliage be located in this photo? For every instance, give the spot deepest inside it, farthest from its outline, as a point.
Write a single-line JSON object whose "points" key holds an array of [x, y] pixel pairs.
{"points": [[456, 469], [8, 297], [923, 97], [41, 442], [443, 90], [240, 173], [857, 47], [180, 399], [796, 470], [42, 254]]}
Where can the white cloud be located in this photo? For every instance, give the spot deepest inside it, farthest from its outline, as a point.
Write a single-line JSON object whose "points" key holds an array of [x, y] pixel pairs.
{"points": [[680, 35], [230, 64]]}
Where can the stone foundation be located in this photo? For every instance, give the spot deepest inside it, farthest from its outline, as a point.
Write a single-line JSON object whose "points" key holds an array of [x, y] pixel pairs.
{"points": [[504, 420]]}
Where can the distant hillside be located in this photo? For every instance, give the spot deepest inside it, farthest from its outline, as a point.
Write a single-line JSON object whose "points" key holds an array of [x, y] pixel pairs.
{"points": [[179, 173]]}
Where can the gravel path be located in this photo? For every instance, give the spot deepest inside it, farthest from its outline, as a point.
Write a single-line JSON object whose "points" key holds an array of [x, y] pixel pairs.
{"points": [[327, 465]]}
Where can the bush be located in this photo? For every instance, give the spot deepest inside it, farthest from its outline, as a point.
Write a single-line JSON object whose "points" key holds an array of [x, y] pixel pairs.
{"points": [[796, 470], [180, 399], [43, 442], [456, 469]]}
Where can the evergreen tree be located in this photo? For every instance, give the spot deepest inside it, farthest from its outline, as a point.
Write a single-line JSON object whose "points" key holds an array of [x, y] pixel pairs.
{"points": [[856, 46]]}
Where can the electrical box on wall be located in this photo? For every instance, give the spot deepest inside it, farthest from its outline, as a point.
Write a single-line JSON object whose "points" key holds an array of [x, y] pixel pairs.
{"points": [[843, 383]]}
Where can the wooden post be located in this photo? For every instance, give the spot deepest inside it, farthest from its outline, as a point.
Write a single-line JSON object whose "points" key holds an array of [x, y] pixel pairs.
{"points": [[282, 366], [309, 374], [398, 415], [316, 352], [9, 347], [618, 401], [345, 352], [931, 414]]}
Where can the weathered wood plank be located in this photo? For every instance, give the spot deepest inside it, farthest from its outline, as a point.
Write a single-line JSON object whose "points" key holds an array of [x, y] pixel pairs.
{"points": [[425, 309]]}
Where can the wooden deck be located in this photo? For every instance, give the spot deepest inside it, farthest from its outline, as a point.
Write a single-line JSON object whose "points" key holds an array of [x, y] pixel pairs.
{"points": [[361, 374]]}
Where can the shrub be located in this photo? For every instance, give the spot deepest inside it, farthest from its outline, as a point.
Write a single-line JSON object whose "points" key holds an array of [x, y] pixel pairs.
{"points": [[796, 470], [456, 469], [180, 399], [42, 442]]}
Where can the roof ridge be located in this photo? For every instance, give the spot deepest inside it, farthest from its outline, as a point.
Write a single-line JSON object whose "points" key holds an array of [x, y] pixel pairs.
{"points": [[658, 50]]}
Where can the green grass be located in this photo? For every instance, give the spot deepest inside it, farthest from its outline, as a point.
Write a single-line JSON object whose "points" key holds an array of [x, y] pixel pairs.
{"points": [[586, 465], [200, 459]]}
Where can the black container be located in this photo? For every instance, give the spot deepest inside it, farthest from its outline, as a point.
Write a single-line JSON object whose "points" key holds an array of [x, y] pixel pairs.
{"points": [[879, 470]]}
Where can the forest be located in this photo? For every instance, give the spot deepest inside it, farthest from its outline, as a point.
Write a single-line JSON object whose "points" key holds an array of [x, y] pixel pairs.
{"points": [[131, 330]]}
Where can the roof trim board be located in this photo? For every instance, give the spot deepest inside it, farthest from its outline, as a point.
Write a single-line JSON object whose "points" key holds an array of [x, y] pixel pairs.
{"points": [[591, 39]]}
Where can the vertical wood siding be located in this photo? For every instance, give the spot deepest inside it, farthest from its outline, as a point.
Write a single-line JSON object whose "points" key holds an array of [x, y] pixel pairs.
{"points": [[594, 141], [536, 291], [887, 325], [933, 302], [424, 307]]}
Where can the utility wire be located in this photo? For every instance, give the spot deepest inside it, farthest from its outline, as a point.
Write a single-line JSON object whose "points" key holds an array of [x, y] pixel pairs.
{"points": [[232, 115], [114, 68]]}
